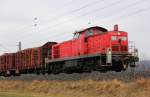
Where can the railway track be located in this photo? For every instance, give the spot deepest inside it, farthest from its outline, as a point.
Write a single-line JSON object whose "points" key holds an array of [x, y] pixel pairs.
{"points": [[124, 76]]}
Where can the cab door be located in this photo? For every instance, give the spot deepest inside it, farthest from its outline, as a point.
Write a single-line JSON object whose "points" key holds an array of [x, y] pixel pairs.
{"points": [[76, 44], [88, 33]]}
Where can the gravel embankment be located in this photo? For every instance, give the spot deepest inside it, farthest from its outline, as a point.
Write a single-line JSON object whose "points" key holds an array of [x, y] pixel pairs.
{"points": [[124, 76]]}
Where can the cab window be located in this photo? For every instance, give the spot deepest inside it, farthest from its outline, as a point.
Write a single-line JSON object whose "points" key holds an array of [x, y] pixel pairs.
{"points": [[113, 37], [89, 33], [99, 32], [123, 38], [76, 35]]}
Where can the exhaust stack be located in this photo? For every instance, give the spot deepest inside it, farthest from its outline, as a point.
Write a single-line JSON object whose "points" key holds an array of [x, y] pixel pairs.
{"points": [[116, 27]]}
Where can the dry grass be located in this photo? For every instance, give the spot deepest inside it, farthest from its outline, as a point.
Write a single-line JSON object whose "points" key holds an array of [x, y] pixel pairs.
{"points": [[80, 88]]}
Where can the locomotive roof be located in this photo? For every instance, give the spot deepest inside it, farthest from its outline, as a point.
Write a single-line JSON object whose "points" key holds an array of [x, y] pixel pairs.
{"points": [[49, 43], [94, 27]]}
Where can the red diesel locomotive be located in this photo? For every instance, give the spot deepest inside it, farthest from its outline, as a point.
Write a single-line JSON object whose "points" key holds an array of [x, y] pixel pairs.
{"points": [[94, 48]]}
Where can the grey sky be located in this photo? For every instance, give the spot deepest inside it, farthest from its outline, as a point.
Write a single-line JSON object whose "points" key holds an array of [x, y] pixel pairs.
{"points": [[58, 19]]}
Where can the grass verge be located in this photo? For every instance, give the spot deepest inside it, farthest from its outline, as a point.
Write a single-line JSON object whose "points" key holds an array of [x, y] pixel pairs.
{"points": [[78, 88]]}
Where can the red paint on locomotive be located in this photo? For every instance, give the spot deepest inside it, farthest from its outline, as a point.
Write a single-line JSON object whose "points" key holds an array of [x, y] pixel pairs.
{"points": [[91, 41]]}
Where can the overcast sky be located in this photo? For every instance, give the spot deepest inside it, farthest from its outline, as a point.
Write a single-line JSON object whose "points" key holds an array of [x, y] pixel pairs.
{"points": [[57, 19]]}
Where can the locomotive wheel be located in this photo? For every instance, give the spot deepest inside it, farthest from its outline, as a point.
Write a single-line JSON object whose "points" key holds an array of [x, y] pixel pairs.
{"points": [[69, 72], [56, 69], [49, 73], [56, 72], [103, 70], [118, 70], [43, 73], [118, 67]]}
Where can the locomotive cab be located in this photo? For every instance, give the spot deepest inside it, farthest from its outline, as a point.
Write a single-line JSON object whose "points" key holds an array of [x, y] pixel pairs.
{"points": [[92, 31], [84, 41]]}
